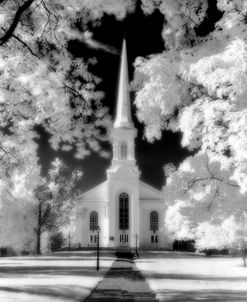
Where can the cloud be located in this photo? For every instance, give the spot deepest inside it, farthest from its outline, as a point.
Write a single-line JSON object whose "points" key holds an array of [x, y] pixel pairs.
{"points": [[88, 39]]}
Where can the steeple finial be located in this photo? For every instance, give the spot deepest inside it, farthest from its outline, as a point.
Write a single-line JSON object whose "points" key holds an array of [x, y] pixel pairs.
{"points": [[123, 117]]}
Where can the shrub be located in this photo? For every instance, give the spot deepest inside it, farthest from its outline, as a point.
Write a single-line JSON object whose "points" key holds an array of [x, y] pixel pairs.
{"points": [[24, 253], [3, 251], [56, 241], [7, 251], [184, 245], [210, 252]]}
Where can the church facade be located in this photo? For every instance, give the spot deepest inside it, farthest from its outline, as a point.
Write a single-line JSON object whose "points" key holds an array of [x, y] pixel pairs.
{"points": [[129, 212]]}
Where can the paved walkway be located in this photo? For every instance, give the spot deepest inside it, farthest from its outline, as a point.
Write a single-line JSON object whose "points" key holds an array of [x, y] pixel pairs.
{"points": [[123, 282]]}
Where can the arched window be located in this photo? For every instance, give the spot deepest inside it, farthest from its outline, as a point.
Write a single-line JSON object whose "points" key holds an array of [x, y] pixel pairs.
{"points": [[93, 221], [154, 221], [124, 150], [123, 211]]}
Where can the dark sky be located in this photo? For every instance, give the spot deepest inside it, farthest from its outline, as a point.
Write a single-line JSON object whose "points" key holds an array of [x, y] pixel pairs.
{"points": [[143, 36]]}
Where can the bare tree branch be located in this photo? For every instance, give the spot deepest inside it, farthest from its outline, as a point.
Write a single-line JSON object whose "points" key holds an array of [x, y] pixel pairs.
{"points": [[222, 124], [7, 152], [188, 17], [213, 199], [211, 177], [9, 33], [24, 44], [76, 93]]}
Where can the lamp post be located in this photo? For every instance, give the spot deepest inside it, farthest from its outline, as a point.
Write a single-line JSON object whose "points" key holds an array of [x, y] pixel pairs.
{"points": [[136, 246], [98, 231]]}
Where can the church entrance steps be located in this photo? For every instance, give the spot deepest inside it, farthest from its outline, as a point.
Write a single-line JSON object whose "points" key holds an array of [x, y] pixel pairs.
{"points": [[123, 282], [125, 254]]}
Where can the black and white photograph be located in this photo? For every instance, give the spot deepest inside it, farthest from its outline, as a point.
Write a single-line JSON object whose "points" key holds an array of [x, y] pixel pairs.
{"points": [[123, 150]]}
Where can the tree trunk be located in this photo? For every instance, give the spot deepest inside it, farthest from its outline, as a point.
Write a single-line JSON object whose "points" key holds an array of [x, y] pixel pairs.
{"points": [[38, 232], [38, 251]]}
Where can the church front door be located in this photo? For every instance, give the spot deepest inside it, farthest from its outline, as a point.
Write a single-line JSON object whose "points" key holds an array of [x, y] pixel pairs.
{"points": [[124, 219], [123, 238]]}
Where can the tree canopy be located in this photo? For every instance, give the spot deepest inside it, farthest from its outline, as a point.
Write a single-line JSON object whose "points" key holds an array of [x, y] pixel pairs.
{"points": [[43, 85], [198, 84], [205, 204]]}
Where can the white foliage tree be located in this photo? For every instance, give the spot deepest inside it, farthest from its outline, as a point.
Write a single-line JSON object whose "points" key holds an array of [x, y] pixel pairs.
{"points": [[206, 205], [198, 84], [55, 199], [17, 212], [43, 85], [31, 205]]}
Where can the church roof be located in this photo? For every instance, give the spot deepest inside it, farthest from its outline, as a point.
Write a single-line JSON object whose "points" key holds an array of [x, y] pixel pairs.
{"points": [[97, 193], [148, 192], [100, 193], [123, 117]]}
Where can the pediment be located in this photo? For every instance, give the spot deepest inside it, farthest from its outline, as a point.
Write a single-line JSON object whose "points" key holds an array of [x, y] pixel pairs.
{"points": [[97, 193], [148, 192]]}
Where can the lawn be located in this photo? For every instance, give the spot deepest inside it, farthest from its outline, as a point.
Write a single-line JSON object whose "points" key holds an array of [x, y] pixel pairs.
{"points": [[184, 277], [174, 277], [50, 278]]}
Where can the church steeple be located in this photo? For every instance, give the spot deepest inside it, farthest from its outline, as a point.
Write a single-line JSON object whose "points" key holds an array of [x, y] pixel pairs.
{"points": [[123, 117], [124, 132]]}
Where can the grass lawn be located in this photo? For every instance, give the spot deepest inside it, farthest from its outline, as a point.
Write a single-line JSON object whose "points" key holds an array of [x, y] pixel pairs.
{"points": [[183, 277], [55, 277], [174, 277]]}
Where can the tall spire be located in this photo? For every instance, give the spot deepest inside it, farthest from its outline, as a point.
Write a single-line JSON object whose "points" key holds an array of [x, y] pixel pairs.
{"points": [[123, 117]]}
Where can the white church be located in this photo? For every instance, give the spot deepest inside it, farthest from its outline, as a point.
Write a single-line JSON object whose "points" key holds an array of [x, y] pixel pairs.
{"points": [[128, 212]]}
